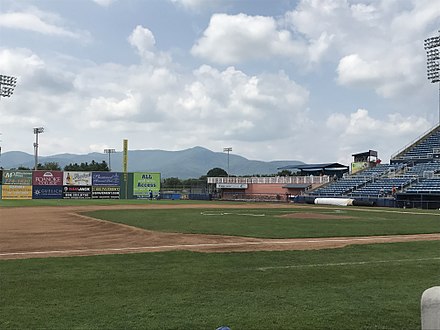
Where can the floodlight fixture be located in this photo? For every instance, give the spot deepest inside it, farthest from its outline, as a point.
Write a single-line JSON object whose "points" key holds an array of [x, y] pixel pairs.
{"points": [[432, 42], [432, 46], [37, 130], [109, 152], [228, 150], [7, 85]]}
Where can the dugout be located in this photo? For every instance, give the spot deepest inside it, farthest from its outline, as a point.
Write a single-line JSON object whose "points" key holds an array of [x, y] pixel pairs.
{"points": [[297, 188], [421, 201]]}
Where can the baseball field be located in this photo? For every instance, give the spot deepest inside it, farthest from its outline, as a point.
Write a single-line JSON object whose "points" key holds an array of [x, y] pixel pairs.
{"points": [[202, 265]]}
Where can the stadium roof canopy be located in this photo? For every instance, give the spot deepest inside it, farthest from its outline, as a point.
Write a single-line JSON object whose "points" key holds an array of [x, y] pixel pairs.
{"points": [[317, 169], [370, 155]]}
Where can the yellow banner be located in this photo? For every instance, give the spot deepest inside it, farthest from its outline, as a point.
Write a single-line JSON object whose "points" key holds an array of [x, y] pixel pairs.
{"points": [[125, 157], [16, 192]]}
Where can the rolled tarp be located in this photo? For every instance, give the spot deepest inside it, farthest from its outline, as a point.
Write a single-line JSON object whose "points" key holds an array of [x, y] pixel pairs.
{"points": [[334, 201], [363, 203]]}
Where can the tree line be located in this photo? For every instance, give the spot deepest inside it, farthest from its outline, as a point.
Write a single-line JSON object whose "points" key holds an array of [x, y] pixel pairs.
{"points": [[54, 166]]}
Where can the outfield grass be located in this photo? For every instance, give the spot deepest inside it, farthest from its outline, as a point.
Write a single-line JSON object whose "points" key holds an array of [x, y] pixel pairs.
{"points": [[358, 287], [269, 223]]}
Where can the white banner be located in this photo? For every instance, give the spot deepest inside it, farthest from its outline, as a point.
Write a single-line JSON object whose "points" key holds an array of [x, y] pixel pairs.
{"points": [[231, 185]]}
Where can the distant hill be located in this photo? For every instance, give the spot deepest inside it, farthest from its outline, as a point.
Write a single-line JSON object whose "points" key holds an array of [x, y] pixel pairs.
{"points": [[184, 164]]}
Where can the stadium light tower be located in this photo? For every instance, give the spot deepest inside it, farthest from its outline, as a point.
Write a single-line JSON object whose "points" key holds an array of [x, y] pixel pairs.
{"points": [[432, 47], [228, 150], [37, 130], [7, 85], [109, 152]]}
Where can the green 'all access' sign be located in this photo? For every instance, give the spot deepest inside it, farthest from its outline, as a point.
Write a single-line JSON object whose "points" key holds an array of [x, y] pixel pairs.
{"points": [[144, 182]]}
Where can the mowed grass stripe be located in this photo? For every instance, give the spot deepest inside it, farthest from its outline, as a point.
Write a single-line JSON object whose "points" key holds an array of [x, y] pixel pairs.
{"points": [[353, 263], [187, 290], [276, 223]]}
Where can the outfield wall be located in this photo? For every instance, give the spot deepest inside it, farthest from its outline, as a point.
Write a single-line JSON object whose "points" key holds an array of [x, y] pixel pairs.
{"points": [[18, 184]]}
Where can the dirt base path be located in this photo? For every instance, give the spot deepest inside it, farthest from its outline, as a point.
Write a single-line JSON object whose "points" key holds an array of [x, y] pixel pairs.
{"points": [[39, 232]]}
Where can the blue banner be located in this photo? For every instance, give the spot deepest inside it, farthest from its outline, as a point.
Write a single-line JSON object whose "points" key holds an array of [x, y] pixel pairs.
{"points": [[106, 179], [47, 192]]}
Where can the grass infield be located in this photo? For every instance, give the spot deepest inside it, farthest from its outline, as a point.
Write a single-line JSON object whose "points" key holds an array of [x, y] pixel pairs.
{"points": [[278, 223], [357, 287]]}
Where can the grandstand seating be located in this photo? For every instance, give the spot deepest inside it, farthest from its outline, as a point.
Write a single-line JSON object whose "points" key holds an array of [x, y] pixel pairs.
{"points": [[384, 187], [380, 170], [381, 181], [412, 172], [420, 168], [425, 186], [341, 187], [352, 183], [422, 149]]}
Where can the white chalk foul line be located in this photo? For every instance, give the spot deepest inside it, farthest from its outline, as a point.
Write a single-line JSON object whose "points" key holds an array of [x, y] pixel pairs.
{"points": [[140, 248], [232, 213], [183, 246], [354, 263]]}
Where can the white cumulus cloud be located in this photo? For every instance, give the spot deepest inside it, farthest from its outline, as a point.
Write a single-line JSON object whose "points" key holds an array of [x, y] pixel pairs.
{"points": [[40, 22], [362, 131], [232, 39]]}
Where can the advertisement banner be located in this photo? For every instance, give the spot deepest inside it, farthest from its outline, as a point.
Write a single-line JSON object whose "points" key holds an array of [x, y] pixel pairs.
{"points": [[23, 178], [47, 192], [358, 166], [77, 192], [106, 179], [231, 186], [77, 178], [144, 182], [47, 178], [105, 192], [16, 192]]}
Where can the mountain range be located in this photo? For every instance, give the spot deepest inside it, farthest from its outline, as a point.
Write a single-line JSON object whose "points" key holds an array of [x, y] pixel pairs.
{"points": [[183, 164]]}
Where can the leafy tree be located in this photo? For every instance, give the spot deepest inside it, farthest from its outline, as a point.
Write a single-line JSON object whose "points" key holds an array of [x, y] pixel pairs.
{"points": [[216, 172], [284, 173], [93, 166], [50, 166], [171, 183], [23, 168], [194, 182]]}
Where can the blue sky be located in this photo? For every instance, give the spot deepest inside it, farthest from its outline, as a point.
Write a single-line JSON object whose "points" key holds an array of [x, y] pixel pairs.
{"points": [[309, 80]]}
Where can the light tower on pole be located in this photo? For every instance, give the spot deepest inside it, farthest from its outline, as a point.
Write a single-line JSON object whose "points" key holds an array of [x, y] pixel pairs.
{"points": [[109, 152], [228, 150], [7, 85], [432, 47], [37, 130]]}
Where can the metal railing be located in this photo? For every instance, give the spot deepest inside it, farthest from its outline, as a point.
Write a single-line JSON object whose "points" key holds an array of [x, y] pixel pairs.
{"points": [[311, 179]]}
